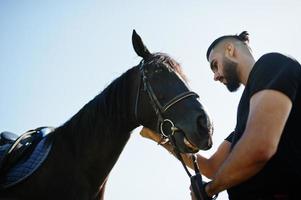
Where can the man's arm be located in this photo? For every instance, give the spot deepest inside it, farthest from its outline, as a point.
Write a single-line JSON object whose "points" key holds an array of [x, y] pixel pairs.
{"points": [[269, 110], [208, 166]]}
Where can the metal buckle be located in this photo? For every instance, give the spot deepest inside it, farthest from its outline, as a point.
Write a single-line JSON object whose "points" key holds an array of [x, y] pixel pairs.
{"points": [[173, 128]]}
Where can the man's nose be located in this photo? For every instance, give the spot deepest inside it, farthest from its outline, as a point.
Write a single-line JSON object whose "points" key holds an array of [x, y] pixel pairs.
{"points": [[216, 76]]}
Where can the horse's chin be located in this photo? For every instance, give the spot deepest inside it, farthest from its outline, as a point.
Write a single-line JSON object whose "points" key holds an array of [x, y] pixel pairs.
{"points": [[187, 146], [184, 145], [191, 147]]}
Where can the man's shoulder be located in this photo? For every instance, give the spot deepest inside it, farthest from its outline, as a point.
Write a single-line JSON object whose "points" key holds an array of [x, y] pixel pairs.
{"points": [[276, 61], [276, 57], [275, 71]]}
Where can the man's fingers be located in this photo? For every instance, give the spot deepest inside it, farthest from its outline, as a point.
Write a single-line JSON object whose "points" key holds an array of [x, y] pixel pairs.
{"points": [[192, 193], [147, 133]]}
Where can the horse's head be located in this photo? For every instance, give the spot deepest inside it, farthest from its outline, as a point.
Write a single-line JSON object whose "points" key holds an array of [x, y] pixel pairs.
{"points": [[165, 104]]}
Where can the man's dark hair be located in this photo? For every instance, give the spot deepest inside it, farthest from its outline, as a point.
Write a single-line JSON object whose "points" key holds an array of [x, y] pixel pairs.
{"points": [[243, 36]]}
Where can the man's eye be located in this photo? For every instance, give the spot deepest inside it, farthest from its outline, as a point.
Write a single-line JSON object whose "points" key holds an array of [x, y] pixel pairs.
{"points": [[214, 66]]}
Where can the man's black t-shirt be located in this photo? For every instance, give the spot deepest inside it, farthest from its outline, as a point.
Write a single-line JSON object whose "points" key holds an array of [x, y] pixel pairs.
{"points": [[282, 174]]}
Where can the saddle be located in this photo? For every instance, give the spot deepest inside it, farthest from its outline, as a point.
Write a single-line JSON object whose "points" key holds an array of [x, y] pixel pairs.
{"points": [[13, 148]]}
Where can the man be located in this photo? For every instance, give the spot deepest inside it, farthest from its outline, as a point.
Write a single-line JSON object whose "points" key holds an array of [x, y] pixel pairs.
{"points": [[261, 159]]}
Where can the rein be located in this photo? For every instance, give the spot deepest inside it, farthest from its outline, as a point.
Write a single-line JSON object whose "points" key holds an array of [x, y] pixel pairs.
{"points": [[197, 183]]}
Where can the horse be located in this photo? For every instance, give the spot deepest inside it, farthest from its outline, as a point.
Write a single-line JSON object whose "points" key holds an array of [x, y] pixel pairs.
{"points": [[85, 148]]}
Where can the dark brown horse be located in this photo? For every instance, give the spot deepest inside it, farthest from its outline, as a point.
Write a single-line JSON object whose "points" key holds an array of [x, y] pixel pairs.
{"points": [[86, 147]]}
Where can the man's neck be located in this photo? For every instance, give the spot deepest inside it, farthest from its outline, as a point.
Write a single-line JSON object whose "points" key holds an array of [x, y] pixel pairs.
{"points": [[246, 68]]}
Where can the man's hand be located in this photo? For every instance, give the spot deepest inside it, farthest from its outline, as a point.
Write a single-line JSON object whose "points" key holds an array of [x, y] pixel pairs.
{"points": [[202, 194], [207, 189], [147, 133], [192, 194]]}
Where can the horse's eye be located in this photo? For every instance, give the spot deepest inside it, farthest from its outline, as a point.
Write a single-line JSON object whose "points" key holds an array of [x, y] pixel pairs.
{"points": [[160, 97]]}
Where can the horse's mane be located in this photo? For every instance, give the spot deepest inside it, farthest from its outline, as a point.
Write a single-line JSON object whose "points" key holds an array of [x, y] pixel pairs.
{"points": [[168, 61], [111, 100], [101, 108]]}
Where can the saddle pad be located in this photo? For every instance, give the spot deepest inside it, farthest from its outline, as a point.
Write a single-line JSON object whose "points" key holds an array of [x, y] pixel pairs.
{"points": [[25, 167]]}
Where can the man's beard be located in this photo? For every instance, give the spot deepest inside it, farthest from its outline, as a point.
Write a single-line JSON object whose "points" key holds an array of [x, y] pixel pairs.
{"points": [[230, 74]]}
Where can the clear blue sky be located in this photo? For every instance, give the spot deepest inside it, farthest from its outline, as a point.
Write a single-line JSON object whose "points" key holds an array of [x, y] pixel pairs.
{"points": [[56, 55]]}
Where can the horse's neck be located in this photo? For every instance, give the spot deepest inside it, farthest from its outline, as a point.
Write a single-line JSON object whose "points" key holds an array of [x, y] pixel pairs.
{"points": [[100, 130]]}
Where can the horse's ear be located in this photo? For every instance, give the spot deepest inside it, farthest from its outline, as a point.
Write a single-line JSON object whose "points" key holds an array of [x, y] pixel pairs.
{"points": [[139, 47]]}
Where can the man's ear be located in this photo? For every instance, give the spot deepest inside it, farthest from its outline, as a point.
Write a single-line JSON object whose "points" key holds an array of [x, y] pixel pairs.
{"points": [[229, 49]]}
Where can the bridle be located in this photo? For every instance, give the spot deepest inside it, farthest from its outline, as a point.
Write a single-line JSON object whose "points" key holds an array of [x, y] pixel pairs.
{"points": [[157, 106], [196, 180]]}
